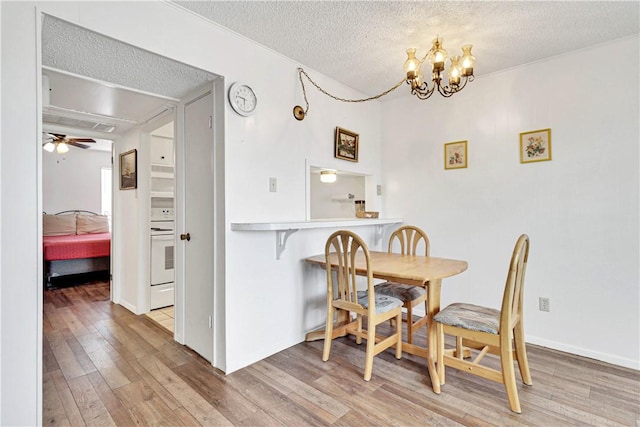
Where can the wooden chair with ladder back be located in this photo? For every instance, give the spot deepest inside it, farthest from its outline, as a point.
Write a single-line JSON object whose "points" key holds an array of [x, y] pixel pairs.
{"points": [[344, 299], [499, 332], [410, 240]]}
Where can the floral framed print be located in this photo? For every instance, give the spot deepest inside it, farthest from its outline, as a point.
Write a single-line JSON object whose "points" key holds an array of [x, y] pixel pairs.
{"points": [[346, 145], [128, 170], [455, 155], [535, 146]]}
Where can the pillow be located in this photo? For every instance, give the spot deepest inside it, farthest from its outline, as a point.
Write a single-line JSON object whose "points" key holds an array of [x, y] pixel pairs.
{"points": [[90, 224], [58, 225]]}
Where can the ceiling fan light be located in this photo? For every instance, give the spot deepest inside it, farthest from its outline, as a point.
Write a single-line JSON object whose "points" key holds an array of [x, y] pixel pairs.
{"points": [[49, 146], [62, 148]]}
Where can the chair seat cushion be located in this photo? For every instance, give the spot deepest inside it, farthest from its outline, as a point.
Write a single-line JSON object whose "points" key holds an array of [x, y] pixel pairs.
{"points": [[400, 291], [469, 316], [384, 303]]}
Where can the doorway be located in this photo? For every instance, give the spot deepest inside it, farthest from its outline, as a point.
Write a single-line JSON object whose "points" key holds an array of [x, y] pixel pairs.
{"points": [[193, 77]]}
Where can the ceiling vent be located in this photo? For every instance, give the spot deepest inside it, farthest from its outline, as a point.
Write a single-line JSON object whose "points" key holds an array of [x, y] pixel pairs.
{"points": [[77, 123]]}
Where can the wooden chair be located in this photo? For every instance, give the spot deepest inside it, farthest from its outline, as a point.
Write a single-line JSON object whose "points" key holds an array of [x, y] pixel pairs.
{"points": [[409, 240], [490, 331], [344, 299]]}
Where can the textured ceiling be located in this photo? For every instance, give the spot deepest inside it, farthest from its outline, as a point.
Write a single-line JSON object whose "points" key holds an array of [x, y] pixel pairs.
{"points": [[359, 43], [74, 49], [362, 43]]}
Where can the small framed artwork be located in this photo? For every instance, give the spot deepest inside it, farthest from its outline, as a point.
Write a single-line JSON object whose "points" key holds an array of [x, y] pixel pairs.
{"points": [[129, 170], [535, 146], [346, 145], [455, 155]]}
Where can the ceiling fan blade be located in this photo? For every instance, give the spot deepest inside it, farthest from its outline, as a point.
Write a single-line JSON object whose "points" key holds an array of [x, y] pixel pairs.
{"points": [[80, 140], [77, 144]]}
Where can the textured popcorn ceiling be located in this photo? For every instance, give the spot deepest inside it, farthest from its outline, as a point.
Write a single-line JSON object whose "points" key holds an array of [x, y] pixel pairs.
{"points": [[74, 49], [359, 43], [363, 43]]}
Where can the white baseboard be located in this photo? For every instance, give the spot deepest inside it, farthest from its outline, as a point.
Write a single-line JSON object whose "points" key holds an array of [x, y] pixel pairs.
{"points": [[603, 357]]}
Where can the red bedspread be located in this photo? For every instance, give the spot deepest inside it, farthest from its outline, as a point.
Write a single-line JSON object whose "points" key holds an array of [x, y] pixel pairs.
{"points": [[57, 248]]}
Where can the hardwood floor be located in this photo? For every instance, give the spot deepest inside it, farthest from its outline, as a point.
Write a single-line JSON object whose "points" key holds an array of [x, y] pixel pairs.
{"points": [[105, 366]]}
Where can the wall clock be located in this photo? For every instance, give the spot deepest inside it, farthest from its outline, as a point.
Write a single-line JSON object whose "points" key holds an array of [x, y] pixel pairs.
{"points": [[243, 99]]}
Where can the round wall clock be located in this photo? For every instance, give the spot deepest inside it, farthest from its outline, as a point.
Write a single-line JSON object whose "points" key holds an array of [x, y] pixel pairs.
{"points": [[243, 99]]}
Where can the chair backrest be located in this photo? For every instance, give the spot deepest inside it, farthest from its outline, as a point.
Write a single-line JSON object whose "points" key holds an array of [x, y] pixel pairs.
{"points": [[511, 312], [346, 245], [408, 239]]}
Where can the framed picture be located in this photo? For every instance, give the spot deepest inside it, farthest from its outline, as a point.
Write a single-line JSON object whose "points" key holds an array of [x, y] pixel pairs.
{"points": [[346, 145], [129, 170], [455, 155], [535, 146]]}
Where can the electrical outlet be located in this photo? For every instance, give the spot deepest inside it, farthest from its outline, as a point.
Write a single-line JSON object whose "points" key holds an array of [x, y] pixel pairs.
{"points": [[273, 185], [379, 190], [543, 304]]}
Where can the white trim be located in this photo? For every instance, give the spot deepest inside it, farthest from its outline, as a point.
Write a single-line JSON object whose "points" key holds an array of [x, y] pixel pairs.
{"points": [[579, 351]]}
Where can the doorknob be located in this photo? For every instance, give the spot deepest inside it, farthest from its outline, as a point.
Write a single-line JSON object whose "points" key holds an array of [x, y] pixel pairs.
{"points": [[186, 237]]}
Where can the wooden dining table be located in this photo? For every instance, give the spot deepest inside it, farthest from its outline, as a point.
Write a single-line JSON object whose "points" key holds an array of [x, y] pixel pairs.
{"points": [[423, 271]]}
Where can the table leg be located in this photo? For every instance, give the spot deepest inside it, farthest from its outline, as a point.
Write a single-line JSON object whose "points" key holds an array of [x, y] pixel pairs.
{"points": [[433, 307]]}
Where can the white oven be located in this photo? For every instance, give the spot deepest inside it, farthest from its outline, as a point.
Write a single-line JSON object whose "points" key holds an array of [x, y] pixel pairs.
{"points": [[162, 264]]}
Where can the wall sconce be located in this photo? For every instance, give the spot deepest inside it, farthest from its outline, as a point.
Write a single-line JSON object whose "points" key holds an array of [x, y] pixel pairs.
{"points": [[328, 176]]}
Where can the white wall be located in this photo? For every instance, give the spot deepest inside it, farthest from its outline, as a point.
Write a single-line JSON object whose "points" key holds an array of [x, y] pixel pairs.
{"points": [[269, 305], [580, 209], [73, 180], [20, 221], [130, 230]]}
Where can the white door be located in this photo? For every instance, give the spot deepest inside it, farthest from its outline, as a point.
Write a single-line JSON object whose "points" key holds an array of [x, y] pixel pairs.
{"points": [[195, 222]]}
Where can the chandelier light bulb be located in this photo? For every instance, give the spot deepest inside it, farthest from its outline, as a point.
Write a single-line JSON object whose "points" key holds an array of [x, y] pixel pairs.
{"points": [[49, 146], [468, 60], [438, 56], [411, 65]]}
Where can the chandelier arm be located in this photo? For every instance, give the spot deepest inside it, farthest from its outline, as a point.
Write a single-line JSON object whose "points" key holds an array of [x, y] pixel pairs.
{"points": [[447, 91], [422, 92]]}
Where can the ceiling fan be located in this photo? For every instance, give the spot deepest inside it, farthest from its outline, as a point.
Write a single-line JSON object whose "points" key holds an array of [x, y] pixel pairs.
{"points": [[60, 143]]}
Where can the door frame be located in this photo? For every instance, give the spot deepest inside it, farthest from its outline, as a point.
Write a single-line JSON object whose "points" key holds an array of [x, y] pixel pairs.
{"points": [[217, 88]]}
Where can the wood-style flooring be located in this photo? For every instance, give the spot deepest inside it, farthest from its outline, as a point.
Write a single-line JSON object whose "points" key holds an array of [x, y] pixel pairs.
{"points": [[105, 366]]}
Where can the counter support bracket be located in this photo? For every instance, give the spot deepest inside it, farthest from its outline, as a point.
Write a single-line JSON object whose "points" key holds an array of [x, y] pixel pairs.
{"points": [[379, 232], [281, 240]]}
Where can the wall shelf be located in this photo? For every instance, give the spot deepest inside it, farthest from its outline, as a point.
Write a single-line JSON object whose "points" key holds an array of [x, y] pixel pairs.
{"points": [[285, 229], [162, 194]]}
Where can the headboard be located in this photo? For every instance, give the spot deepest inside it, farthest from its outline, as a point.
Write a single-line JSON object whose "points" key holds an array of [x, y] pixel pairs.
{"points": [[72, 222]]}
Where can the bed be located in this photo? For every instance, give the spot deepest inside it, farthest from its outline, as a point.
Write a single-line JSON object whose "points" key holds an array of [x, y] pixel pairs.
{"points": [[75, 242]]}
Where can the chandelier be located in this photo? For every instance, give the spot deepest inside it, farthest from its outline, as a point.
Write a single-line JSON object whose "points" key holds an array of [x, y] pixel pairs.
{"points": [[460, 72]]}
